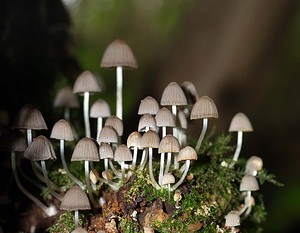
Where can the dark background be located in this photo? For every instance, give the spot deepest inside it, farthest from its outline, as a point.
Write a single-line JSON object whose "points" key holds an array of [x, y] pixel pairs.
{"points": [[243, 54]]}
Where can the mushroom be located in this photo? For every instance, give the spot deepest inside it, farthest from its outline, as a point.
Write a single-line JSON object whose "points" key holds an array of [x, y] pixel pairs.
{"points": [[191, 94], [239, 123], [168, 179], [248, 184], [99, 109], [204, 108], [85, 84], [41, 149], [164, 119], [66, 99], [75, 199], [183, 125], [79, 230], [134, 142], [232, 220], [63, 132], [122, 155], [118, 54], [253, 165], [177, 198], [86, 150], [148, 105], [169, 144], [116, 123], [150, 140], [186, 154], [15, 142]]}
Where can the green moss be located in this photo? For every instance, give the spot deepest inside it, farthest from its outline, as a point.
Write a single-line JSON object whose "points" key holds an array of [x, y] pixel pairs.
{"points": [[65, 223]]}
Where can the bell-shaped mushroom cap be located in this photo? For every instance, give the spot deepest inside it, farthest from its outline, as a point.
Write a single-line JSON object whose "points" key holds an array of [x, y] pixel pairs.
{"points": [[75, 199], [168, 179], [169, 144], [232, 219], [100, 108], [40, 149], [164, 117], [123, 153], [86, 82], [65, 98], [148, 105], [29, 117], [254, 163], [105, 151], [108, 134], [147, 120], [187, 153], [182, 119], [134, 140], [79, 230], [13, 140], [116, 123], [173, 95], [240, 122], [190, 92], [204, 108], [86, 149], [249, 183], [150, 139], [62, 131], [118, 53]]}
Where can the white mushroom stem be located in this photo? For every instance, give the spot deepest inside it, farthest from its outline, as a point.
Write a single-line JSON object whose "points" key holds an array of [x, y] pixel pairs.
{"points": [[115, 171], [46, 209], [119, 106], [238, 146], [175, 186], [232, 229], [123, 170], [88, 184], [175, 134], [86, 97], [65, 166], [99, 127], [144, 159], [134, 158], [154, 183], [29, 136], [163, 131], [76, 218], [47, 181], [201, 136], [161, 168], [169, 192], [247, 204], [106, 164], [168, 162]]}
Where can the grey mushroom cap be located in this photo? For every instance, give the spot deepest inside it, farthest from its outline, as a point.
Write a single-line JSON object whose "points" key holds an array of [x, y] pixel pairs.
{"points": [[100, 108], [232, 219], [86, 150], [65, 98], [105, 151], [240, 122], [187, 153], [164, 117], [75, 199], [40, 149], [168, 179], [147, 120], [29, 117], [150, 139], [86, 82], [62, 131], [173, 95], [249, 183], [134, 140], [116, 123], [204, 108], [123, 153], [108, 134], [148, 105], [169, 144]]}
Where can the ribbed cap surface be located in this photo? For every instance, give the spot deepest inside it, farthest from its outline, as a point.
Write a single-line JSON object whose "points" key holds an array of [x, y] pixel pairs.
{"points": [[106, 151], [232, 219], [249, 183], [86, 149], [204, 108], [108, 134], [66, 98], [100, 108], [116, 123], [147, 120], [75, 199], [173, 95], [240, 122], [123, 153], [168, 179], [134, 139], [148, 105], [164, 117], [150, 139], [169, 144], [187, 153], [86, 82], [62, 131]]}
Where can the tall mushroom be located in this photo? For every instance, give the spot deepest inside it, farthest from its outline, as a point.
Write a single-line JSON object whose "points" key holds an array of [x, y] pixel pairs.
{"points": [[204, 108], [240, 124], [86, 150], [100, 109], [41, 149], [150, 140], [63, 132], [118, 54], [75, 199], [122, 155], [85, 84], [186, 154]]}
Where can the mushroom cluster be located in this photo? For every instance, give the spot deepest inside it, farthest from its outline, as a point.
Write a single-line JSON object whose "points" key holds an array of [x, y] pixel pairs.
{"points": [[160, 138]]}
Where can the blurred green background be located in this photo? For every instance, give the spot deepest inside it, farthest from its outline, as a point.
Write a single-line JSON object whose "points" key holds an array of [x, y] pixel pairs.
{"points": [[243, 54]]}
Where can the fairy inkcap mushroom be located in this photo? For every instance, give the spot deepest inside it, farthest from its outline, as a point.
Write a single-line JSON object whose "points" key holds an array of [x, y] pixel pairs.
{"points": [[253, 165], [75, 199], [168, 179], [232, 219], [148, 105], [116, 123], [118, 54], [85, 84], [87, 150], [123, 154], [186, 154], [164, 119], [204, 109], [134, 142], [240, 124], [147, 122], [108, 134]]}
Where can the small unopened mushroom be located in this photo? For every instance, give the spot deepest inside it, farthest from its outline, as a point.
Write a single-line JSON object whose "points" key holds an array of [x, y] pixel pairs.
{"points": [[168, 179], [177, 198], [240, 124], [75, 199], [253, 165], [232, 219]]}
